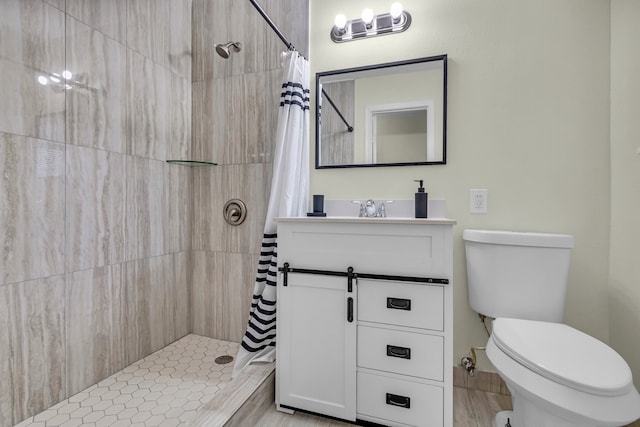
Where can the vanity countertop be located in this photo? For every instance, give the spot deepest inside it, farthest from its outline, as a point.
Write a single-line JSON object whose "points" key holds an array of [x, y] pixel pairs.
{"points": [[388, 220]]}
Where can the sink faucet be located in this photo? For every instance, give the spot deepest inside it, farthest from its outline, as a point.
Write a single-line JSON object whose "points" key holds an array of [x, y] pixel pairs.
{"points": [[368, 209], [382, 210]]}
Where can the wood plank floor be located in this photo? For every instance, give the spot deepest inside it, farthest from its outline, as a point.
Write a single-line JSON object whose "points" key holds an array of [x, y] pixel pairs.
{"points": [[471, 408]]}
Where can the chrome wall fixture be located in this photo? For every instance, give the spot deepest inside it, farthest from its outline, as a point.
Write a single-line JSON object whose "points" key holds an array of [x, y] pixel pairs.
{"points": [[225, 50], [234, 211], [369, 24]]}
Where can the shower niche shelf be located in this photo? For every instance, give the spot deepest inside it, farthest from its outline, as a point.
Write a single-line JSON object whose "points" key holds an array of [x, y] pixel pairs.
{"points": [[191, 163]]}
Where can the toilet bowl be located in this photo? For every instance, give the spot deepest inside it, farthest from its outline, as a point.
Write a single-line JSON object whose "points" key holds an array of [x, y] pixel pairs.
{"points": [[557, 375], [560, 377]]}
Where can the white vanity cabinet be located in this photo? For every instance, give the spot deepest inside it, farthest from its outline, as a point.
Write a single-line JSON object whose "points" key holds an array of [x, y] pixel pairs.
{"points": [[364, 319]]}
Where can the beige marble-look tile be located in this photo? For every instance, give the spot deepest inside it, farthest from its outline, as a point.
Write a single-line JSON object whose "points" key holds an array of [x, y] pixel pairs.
{"points": [[212, 188], [178, 38], [95, 208], [222, 289], [32, 34], [149, 107], [94, 347], [37, 354], [293, 21], [146, 27], [6, 342], [179, 203], [107, 16], [255, 406], [179, 142], [136, 295], [156, 308], [236, 118], [147, 210], [261, 46], [96, 98], [35, 110], [155, 271], [238, 403], [206, 63], [32, 48], [177, 296], [32, 217], [60, 4]]}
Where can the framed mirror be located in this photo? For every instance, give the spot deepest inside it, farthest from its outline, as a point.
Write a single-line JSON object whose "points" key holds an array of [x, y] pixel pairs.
{"points": [[391, 114]]}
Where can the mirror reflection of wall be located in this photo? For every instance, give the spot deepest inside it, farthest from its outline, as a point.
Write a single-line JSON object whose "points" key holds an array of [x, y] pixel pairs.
{"points": [[337, 142]]}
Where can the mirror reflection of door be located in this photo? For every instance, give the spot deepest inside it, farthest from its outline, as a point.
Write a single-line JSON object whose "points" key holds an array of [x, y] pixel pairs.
{"points": [[401, 131]]}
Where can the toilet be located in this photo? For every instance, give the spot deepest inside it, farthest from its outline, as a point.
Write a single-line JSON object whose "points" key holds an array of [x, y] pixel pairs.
{"points": [[558, 376]]}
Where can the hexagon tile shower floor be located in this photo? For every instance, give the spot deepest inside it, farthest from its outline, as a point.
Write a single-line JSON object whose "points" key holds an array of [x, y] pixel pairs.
{"points": [[164, 389]]}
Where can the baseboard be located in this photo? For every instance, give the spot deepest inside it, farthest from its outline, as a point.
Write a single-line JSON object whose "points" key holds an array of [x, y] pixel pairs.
{"points": [[481, 381]]}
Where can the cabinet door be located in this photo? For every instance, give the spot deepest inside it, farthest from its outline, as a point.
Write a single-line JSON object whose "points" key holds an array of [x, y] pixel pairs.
{"points": [[316, 345]]}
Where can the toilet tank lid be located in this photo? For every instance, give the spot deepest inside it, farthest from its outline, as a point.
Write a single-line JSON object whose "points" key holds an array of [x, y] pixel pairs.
{"points": [[517, 238], [564, 355]]}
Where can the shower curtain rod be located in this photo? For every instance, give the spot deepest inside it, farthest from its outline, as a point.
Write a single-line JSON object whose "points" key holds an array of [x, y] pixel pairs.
{"points": [[273, 26], [335, 107], [290, 46]]}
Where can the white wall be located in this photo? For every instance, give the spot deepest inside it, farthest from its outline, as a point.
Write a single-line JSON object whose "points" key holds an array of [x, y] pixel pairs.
{"points": [[624, 277], [528, 119]]}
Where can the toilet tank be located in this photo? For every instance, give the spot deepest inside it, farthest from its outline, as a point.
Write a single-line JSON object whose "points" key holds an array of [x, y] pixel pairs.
{"points": [[517, 275]]}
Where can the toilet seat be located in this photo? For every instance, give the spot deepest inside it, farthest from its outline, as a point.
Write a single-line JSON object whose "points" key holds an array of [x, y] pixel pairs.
{"points": [[563, 355]]}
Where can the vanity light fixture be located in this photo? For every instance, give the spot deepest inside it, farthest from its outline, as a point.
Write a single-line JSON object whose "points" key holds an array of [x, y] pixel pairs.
{"points": [[369, 24]]}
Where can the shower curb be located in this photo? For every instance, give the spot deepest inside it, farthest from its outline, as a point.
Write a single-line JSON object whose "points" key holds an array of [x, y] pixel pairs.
{"points": [[242, 402]]}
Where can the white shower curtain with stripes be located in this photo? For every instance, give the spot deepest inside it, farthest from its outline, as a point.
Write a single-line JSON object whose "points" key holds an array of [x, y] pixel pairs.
{"points": [[289, 197]]}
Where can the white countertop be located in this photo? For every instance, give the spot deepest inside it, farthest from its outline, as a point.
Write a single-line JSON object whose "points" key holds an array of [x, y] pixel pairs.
{"points": [[356, 220]]}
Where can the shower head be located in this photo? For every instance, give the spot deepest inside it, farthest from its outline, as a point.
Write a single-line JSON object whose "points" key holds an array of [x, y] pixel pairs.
{"points": [[225, 50]]}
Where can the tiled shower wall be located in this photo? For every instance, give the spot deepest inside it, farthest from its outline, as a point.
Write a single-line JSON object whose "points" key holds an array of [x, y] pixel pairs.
{"points": [[95, 231], [235, 110]]}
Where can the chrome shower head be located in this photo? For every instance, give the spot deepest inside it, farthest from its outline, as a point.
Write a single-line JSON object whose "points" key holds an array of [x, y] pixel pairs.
{"points": [[225, 50]]}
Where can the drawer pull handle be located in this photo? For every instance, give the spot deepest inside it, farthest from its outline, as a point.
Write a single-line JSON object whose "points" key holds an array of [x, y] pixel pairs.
{"points": [[399, 304], [400, 401], [399, 352], [349, 309]]}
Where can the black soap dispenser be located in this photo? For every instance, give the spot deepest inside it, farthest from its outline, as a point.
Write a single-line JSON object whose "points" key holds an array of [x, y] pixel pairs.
{"points": [[421, 201]]}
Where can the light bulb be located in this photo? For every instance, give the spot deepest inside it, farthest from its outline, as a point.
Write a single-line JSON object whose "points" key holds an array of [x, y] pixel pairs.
{"points": [[341, 21], [395, 11], [367, 16], [43, 80], [67, 74]]}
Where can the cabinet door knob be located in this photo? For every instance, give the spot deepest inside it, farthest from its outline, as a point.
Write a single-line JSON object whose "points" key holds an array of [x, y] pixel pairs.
{"points": [[399, 352], [397, 400], [399, 304]]}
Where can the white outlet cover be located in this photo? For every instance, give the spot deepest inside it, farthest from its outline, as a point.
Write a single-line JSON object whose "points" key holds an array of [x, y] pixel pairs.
{"points": [[478, 200]]}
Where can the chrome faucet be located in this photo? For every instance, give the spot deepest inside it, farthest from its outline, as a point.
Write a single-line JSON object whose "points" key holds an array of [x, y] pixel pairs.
{"points": [[368, 209]]}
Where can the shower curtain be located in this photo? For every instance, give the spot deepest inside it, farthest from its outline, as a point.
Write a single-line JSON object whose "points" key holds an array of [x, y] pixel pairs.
{"points": [[289, 197]]}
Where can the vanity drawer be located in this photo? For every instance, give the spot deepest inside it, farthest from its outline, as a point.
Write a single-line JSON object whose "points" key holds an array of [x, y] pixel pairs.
{"points": [[392, 401], [405, 353], [393, 249], [409, 304]]}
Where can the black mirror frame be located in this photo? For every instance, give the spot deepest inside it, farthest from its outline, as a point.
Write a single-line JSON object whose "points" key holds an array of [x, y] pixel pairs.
{"points": [[442, 58]]}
